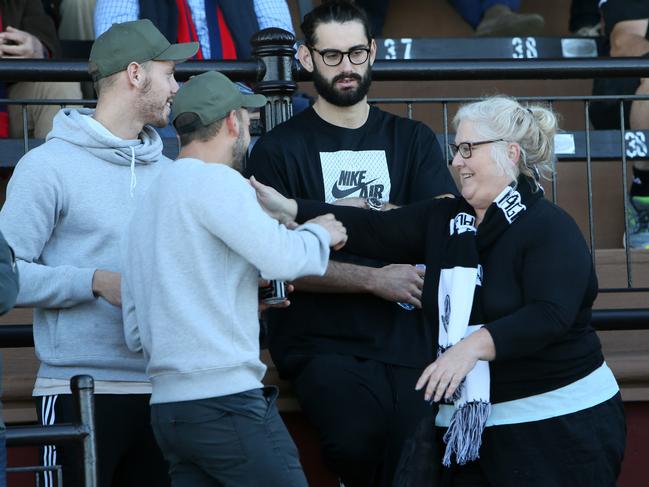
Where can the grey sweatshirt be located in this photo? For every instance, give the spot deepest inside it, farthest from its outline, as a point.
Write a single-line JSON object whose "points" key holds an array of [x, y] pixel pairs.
{"points": [[68, 202], [192, 255]]}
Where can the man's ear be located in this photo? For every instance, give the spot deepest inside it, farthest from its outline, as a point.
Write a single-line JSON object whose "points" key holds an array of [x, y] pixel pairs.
{"points": [[372, 51], [136, 74], [232, 124], [305, 58]]}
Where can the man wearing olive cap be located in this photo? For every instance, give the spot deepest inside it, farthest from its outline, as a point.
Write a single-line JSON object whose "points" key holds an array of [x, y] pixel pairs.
{"points": [[67, 205], [192, 255]]}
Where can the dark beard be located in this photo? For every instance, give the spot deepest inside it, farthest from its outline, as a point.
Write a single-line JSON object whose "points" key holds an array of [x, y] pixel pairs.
{"points": [[326, 89]]}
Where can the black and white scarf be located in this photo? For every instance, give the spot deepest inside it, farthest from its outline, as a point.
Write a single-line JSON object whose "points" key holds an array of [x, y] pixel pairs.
{"points": [[460, 308]]}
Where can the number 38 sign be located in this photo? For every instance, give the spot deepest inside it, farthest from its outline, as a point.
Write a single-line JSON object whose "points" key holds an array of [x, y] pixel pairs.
{"points": [[524, 48]]}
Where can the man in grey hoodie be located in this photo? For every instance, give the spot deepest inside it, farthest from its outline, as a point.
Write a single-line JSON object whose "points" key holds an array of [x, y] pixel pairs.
{"points": [[192, 254], [67, 204]]}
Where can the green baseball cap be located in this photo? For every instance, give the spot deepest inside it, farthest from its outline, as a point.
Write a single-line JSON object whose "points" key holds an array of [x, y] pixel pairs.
{"points": [[211, 96], [138, 41]]}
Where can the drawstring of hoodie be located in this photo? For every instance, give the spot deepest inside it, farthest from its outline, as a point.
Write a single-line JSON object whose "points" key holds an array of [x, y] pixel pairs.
{"points": [[133, 178]]}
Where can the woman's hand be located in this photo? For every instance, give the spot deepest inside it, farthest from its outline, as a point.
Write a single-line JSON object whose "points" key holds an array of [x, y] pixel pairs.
{"points": [[443, 376], [277, 206]]}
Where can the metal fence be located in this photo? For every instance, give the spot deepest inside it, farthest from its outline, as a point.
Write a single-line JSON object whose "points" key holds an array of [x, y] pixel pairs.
{"points": [[82, 431]]}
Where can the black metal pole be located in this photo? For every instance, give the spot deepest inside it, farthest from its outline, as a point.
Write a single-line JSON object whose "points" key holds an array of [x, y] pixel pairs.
{"points": [[383, 70], [82, 387], [502, 69], [274, 48], [54, 70], [16, 336], [43, 435]]}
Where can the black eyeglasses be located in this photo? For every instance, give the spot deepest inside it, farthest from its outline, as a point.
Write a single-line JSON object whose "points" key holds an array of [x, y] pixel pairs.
{"points": [[466, 148], [333, 57]]}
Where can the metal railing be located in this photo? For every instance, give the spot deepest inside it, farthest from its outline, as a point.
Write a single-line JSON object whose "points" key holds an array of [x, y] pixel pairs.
{"points": [[83, 432], [382, 70]]}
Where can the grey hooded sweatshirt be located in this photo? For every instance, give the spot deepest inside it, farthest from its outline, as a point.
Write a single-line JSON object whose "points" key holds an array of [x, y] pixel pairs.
{"points": [[67, 204]]}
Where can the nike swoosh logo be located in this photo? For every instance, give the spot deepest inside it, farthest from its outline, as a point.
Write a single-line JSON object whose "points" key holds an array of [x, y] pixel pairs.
{"points": [[343, 193]]}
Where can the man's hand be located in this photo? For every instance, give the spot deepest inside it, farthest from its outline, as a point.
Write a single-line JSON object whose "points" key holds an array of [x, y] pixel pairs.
{"points": [[264, 283], [18, 44], [274, 204], [337, 232], [107, 285], [401, 283]]}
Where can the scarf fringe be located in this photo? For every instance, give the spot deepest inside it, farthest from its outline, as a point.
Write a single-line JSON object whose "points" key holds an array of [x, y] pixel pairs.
{"points": [[464, 435]]}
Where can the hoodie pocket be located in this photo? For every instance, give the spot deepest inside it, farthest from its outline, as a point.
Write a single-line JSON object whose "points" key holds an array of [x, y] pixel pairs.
{"points": [[91, 330]]}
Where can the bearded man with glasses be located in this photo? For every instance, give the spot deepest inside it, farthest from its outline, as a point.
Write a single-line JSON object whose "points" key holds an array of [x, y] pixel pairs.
{"points": [[352, 352]]}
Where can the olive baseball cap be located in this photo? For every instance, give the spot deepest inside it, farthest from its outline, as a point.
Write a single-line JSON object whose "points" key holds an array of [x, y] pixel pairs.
{"points": [[138, 41], [211, 96]]}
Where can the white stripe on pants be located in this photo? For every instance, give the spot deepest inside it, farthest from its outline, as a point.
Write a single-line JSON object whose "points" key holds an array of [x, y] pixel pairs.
{"points": [[48, 415]]}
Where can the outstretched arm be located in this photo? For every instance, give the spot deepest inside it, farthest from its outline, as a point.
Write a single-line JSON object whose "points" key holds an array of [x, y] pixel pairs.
{"points": [[395, 282]]}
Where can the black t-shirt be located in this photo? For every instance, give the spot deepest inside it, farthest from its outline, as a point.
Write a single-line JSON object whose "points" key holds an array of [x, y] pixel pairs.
{"points": [[390, 158], [614, 11], [538, 286]]}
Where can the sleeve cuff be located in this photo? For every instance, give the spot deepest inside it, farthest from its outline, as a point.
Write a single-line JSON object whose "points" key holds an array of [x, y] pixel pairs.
{"points": [[502, 353], [81, 289], [318, 231]]}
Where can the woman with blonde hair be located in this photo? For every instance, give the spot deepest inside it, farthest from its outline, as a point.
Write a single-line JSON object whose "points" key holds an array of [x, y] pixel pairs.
{"points": [[526, 398]]}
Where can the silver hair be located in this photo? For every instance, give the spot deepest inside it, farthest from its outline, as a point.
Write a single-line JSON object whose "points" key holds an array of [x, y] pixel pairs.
{"points": [[532, 127]]}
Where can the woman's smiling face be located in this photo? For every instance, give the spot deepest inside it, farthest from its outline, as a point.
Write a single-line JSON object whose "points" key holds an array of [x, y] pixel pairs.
{"points": [[481, 178]]}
